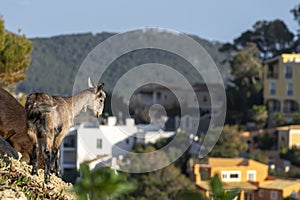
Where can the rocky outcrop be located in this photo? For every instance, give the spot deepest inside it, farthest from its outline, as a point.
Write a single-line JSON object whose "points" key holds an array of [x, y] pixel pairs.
{"points": [[7, 149], [16, 182]]}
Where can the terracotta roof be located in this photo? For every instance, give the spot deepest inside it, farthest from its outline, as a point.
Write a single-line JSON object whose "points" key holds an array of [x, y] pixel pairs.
{"points": [[229, 162], [241, 185], [284, 128], [278, 184]]}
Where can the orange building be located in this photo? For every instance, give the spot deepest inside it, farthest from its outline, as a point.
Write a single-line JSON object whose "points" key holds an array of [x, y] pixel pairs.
{"points": [[248, 175]]}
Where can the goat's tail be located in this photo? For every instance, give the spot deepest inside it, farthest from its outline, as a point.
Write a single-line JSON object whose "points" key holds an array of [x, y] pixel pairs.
{"points": [[36, 110]]}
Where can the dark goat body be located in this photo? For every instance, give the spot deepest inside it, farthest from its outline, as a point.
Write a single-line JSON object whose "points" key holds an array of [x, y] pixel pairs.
{"points": [[50, 118], [13, 127]]}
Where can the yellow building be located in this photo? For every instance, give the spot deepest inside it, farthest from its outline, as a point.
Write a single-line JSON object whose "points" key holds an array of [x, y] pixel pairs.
{"points": [[248, 175], [282, 84], [288, 136]]}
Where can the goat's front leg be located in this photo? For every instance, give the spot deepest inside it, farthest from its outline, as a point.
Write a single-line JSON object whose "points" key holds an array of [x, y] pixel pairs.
{"points": [[33, 137], [55, 163], [47, 154]]}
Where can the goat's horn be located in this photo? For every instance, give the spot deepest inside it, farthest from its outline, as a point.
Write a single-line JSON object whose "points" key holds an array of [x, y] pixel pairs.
{"points": [[90, 83]]}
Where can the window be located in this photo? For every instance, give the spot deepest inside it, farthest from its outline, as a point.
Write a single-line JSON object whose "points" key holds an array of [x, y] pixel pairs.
{"points": [[272, 88], [99, 143], [288, 72], [233, 176], [248, 196], [294, 195], [69, 141], [229, 176], [224, 176], [251, 175], [290, 106], [272, 71], [274, 105], [290, 89], [273, 195]]}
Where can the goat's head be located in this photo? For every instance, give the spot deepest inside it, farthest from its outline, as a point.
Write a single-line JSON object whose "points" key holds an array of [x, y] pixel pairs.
{"points": [[98, 101]]}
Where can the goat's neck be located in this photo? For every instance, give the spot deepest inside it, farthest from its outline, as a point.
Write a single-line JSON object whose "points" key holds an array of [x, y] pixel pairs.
{"points": [[81, 100]]}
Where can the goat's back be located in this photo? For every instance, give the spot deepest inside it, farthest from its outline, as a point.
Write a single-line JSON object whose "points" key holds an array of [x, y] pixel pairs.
{"points": [[40, 106]]}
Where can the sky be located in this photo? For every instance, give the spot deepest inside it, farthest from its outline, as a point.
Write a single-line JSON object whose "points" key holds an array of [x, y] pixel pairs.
{"points": [[215, 20]]}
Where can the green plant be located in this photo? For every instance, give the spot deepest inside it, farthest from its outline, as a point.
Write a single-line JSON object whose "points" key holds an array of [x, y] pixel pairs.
{"points": [[102, 183], [218, 192], [278, 119]]}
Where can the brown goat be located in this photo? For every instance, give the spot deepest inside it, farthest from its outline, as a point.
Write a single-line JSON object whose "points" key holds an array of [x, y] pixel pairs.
{"points": [[13, 126], [50, 117]]}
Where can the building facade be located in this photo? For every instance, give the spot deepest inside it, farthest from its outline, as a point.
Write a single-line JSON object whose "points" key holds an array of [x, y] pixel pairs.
{"points": [[250, 176], [282, 85], [288, 136], [96, 144]]}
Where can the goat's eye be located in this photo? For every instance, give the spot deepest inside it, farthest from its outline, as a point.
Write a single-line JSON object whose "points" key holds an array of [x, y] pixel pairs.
{"points": [[101, 100]]}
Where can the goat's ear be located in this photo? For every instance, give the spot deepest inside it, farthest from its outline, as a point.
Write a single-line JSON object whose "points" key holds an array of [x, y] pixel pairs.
{"points": [[99, 87], [90, 83]]}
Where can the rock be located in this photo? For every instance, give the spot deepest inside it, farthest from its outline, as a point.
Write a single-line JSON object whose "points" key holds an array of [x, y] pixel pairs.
{"points": [[6, 148], [16, 182]]}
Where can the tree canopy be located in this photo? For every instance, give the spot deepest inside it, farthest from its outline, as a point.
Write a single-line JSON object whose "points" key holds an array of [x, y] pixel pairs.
{"points": [[246, 87], [14, 56], [271, 37], [230, 143], [296, 13]]}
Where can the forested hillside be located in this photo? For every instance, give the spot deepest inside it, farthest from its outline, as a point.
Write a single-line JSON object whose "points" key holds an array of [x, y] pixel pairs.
{"points": [[55, 61]]}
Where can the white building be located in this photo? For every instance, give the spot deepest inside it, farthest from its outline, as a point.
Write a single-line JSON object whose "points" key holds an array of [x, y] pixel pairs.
{"points": [[151, 133], [96, 144], [104, 144]]}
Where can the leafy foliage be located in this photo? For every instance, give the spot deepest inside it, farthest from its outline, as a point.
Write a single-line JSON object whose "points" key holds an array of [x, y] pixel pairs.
{"points": [[246, 88], [14, 56], [101, 183], [265, 141], [164, 184], [217, 192], [259, 115], [292, 155], [230, 143], [296, 118], [271, 37], [296, 13], [277, 119]]}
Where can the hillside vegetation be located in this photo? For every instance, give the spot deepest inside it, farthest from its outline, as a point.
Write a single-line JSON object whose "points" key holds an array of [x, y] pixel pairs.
{"points": [[56, 60]]}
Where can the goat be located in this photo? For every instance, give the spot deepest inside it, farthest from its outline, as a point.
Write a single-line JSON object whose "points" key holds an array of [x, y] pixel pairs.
{"points": [[50, 117], [13, 126]]}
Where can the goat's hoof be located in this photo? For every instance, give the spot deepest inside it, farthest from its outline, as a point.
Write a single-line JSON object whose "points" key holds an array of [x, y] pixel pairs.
{"points": [[47, 180], [58, 175]]}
